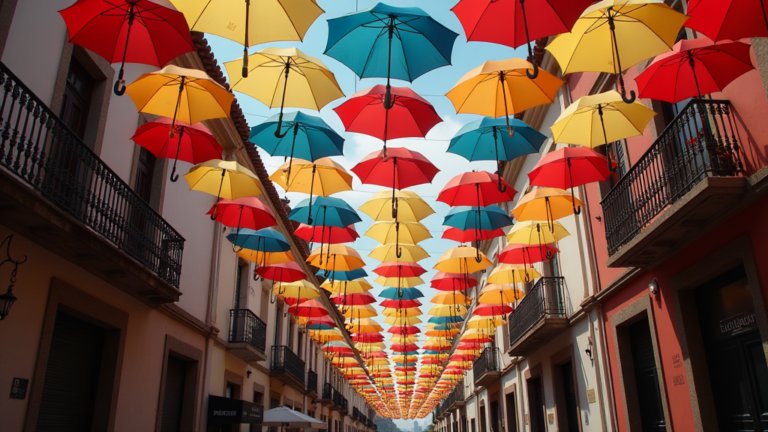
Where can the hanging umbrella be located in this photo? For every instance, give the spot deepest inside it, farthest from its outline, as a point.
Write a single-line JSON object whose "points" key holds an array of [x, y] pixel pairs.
{"points": [[450, 299], [271, 70], [536, 233], [224, 179], [399, 303], [189, 95], [310, 140], [404, 282], [336, 288], [407, 294], [195, 143], [263, 240], [272, 20], [353, 299], [476, 188], [341, 275], [288, 272], [245, 212], [693, 68], [365, 311], [471, 235], [322, 177], [728, 19], [495, 89], [294, 292], [340, 257], [606, 37], [399, 169], [411, 115], [309, 308], [402, 312], [402, 253], [570, 167], [399, 269], [490, 218], [411, 208], [390, 42], [546, 204], [333, 212], [483, 140], [105, 27], [600, 119], [332, 235], [462, 260], [511, 274], [526, 254], [266, 258], [443, 281], [394, 232], [505, 21], [488, 310]]}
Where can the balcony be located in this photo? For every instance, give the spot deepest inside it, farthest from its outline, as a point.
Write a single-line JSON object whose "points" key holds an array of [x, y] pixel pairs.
{"points": [[287, 367], [539, 317], [455, 398], [355, 413], [247, 335], [312, 383], [486, 367], [57, 192], [337, 399], [687, 182], [344, 407], [327, 395]]}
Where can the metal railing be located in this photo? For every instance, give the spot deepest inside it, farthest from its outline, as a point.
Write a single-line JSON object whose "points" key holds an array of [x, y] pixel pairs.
{"points": [[312, 381], [328, 392], [38, 148], [700, 142], [344, 404], [355, 413], [487, 362], [283, 359], [246, 327], [337, 397], [545, 299]]}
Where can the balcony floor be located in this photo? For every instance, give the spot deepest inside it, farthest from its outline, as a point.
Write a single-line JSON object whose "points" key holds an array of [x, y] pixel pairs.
{"points": [[34, 217], [541, 334], [287, 378], [246, 352]]}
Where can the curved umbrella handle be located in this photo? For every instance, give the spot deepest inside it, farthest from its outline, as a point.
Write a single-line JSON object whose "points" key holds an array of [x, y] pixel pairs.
{"points": [[501, 186], [549, 254], [533, 75], [213, 213], [174, 176], [282, 104], [478, 258], [576, 209], [279, 126], [631, 98], [119, 87]]}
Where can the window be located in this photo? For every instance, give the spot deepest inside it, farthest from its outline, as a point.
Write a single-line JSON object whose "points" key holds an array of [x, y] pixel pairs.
{"points": [[76, 103], [278, 325], [291, 328], [241, 278], [300, 344], [145, 171]]}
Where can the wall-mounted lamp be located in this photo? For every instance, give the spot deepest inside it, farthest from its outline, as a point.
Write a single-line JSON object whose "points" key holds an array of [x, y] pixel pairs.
{"points": [[588, 350], [8, 299], [653, 287], [248, 372]]}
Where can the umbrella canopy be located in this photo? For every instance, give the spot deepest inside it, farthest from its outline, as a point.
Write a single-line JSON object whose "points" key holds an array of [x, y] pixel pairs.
{"points": [[402, 253], [309, 308], [407, 293], [287, 272], [265, 258], [462, 260], [395, 232], [476, 188], [471, 235], [324, 211], [399, 303], [546, 204], [263, 240], [526, 254], [399, 269], [286, 417], [728, 19], [411, 208], [339, 257], [338, 287], [342, 275], [452, 281], [331, 235], [570, 167], [322, 177], [245, 212], [694, 68], [536, 233], [353, 299], [405, 282], [224, 179], [492, 310], [605, 37], [298, 289], [450, 299], [477, 218], [194, 144], [133, 31], [511, 274]]}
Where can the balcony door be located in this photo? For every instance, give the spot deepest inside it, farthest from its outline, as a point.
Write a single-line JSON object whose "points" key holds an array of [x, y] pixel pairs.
{"points": [[536, 405], [646, 377], [511, 412]]}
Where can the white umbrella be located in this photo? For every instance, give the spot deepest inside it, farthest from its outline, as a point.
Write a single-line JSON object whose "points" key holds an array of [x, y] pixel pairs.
{"points": [[286, 417]]}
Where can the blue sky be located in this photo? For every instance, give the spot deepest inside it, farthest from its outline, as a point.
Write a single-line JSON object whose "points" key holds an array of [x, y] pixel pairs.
{"points": [[431, 86]]}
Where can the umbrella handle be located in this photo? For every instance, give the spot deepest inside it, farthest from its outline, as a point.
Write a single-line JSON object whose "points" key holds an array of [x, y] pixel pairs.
{"points": [[245, 40], [282, 104], [632, 94], [576, 209], [119, 87], [213, 213], [533, 75], [174, 176]]}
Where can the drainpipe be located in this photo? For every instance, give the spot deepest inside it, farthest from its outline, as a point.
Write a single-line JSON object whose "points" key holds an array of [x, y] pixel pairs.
{"points": [[209, 317], [520, 407]]}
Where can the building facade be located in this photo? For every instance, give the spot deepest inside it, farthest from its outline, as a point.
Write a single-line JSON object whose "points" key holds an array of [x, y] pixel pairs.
{"points": [[134, 313]]}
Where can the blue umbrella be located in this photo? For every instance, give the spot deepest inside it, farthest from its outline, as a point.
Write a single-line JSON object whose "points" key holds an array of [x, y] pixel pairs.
{"points": [[263, 240], [484, 140], [312, 138], [407, 294], [444, 320], [368, 41], [328, 211], [465, 218], [339, 275]]}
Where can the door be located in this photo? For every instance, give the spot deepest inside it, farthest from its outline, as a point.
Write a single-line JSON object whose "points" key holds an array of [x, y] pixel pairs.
{"points": [[483, 421], [173, 395], [71, 376], [646, 377], [511, 412], [495, 417], [77, 98], [569, 395], [536, 405]]}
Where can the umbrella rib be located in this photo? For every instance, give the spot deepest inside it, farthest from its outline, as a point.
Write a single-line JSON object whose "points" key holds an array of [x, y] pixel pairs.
{"points": [[301, 37]]}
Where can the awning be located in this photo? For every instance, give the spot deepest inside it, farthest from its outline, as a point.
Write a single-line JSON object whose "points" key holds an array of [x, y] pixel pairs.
{"points": [[283, 416]]}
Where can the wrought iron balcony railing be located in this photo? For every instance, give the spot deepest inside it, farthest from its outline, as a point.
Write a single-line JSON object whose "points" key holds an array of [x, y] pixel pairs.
{"points": [[285, 360], [355, 413], [312, 381], [344, 404], [38, 148], [246, 327], [700, 142], [545, 299], [328, 392], [337, 398]]}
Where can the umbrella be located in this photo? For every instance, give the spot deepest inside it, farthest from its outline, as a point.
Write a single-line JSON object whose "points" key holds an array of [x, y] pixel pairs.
{"points": [[395, 294], [195, 143], [482, 140], [402, 312], [489, 218], [489, 310], [286, 417], [365, 311], [288, 272], [263, 240], [342, 275], [399, 269], [450, 299], [309, 308], [313, 85], [411, 208], [357, 286], [511, 274], [569, 167], [273, 20], [228, 179], [400, 169], [322, 177], [593, 44], [335, 235], [394, 282], [266, 258], [504, 21], [692, 68], [368, 41], [533, 233], [104, 27], [245, 212], [728, 19], [402, 253], [546, 204], [344, 258], [189, 95], [311, 139], [399, 303], [412, 116], [296, 290], [462, 260], [619, 120], [476, 188], [495, 89], [333, 212], [471, 235], [393, 232], [452, 281], [526, 254]]}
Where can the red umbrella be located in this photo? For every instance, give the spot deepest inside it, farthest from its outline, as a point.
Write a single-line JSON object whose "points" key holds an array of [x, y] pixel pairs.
{"points": [[287, 272], [133, 31], [476, 188], [526, 254], [411, 116], [406, 330], [431, 361], [370, 337], [246, 212], [452, 281], [399, 269], [404, 348], [504, 21], [692, 68], [492, 310], [569, 167], [471, 235], [193, 144], [354, 299], [399, 169], [728, 19], [333, 235], [400, 303], [310, 308]]}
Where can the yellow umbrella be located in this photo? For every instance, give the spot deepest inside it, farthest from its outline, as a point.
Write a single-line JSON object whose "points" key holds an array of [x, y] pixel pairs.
{"points": [[363, 311], [408, 253], [189, 95], [498, 294], [396, 232], [501, 88], [613, 35], [271, 70], [300, 289], [536, 232], [405, 321], [266, 21], [324, 336], [266, 258], [340, 258], [355, 325], [450, 299], [442, 333], [410, 207], [406, 282], [224, 179], [462, 260], [401, 313], [403, 339], [546, 204], [512, 274], [357, 286], [322, 177], [448, 310], [479, 322]]}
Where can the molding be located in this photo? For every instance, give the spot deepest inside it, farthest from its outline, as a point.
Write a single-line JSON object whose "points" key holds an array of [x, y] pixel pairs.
{"points": [[179, 314]]}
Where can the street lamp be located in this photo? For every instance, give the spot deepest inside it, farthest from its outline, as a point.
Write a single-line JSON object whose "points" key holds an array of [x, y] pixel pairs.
{"points": [[7, 299]]}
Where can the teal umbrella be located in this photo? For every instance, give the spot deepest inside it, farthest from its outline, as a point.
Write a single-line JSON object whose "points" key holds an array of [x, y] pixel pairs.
{"points": [[390, 42]]}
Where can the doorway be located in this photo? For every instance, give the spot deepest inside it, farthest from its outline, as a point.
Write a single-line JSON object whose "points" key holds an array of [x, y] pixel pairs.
{"points": [[536, 404], [483, 421], [495, 416], [646, 377], [565, 397], [510, 405]]}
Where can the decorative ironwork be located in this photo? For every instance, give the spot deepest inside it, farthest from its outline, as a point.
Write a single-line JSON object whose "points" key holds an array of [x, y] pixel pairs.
{"points": [[283, 359], [312, 381], [700, 142], [344, 404], [545, 299], [38, 148], [328, 392], [246, 327], [487, 362], [337, 397], [8, 299], [355, 413]]}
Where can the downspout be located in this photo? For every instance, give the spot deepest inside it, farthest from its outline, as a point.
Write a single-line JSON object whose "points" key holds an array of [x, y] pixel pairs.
{"points": [[209, 317], [520, 406]]}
